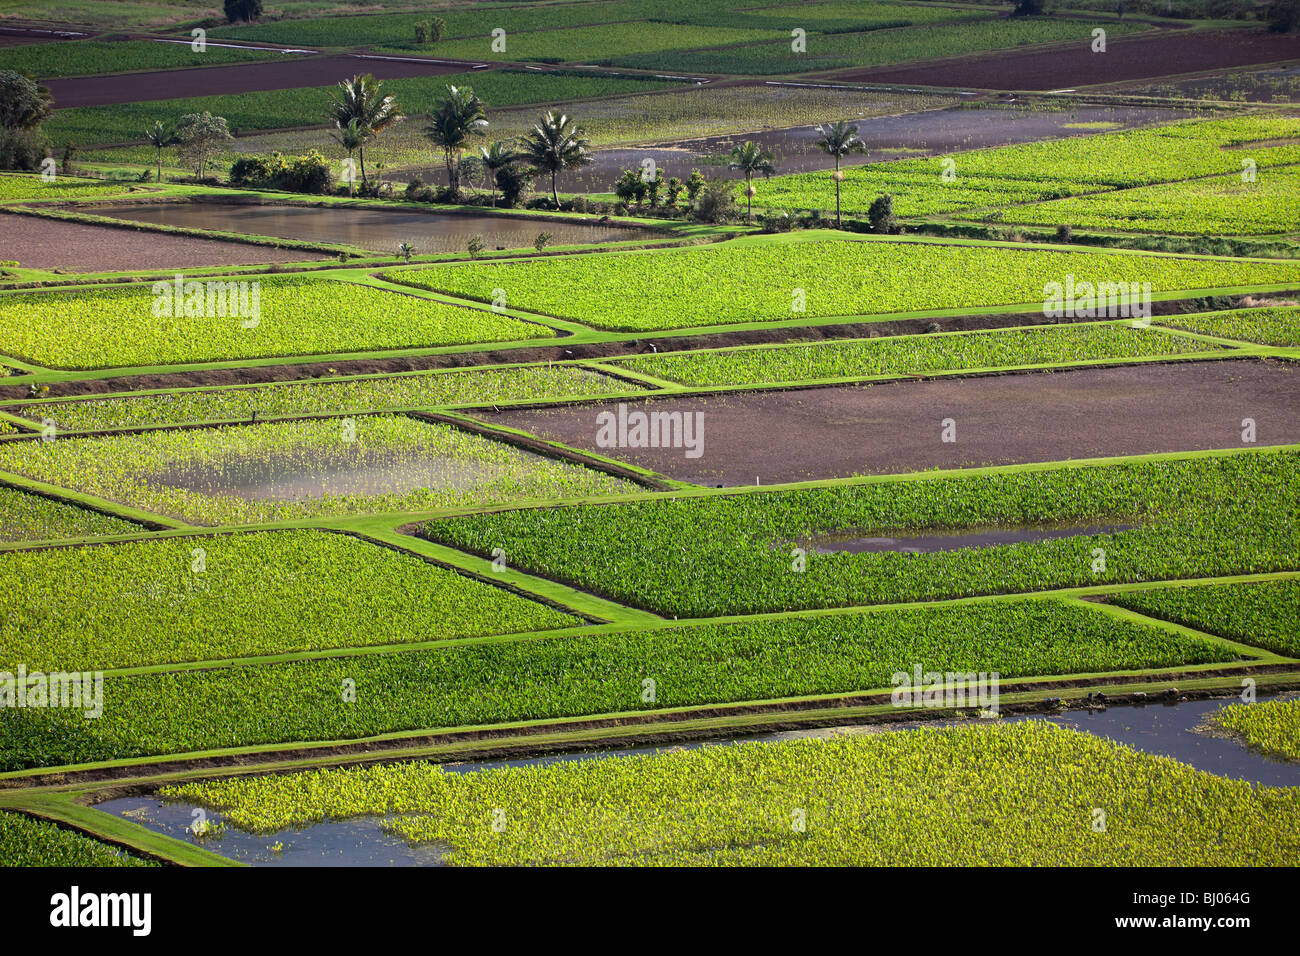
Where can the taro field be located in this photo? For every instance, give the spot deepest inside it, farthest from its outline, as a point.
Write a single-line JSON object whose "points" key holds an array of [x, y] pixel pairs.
{"points": [[669, 434]]}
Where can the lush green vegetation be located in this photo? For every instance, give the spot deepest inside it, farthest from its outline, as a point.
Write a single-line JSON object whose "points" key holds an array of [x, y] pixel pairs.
{"points": [[16, 186], [239, 474], [1223, 205], [877, 47], [1030, 172], [470, 386], [26, 517], [86, 57], [605, 43], [105, 327], [1271, 726], [1268, 326], [732, 553], [1023, 794], [191, 599], [498, 681], [1266, 614], [25, 841], [901, 355], [757, 280], [307, 106]]}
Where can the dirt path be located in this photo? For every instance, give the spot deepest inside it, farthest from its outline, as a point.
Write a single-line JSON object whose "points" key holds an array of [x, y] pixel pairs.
{"points": [[896, 427]]}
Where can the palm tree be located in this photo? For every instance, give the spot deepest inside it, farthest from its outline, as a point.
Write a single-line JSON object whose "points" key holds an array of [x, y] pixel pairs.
{"points": [[839, 140], [361, 98], [496, 157], [351, 137], [751, 160], [555, 144], [458, 116], [160, 138]]}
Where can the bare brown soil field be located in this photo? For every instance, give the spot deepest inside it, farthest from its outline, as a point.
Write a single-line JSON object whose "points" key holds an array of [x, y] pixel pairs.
{"points": [[803, 434], [293, 71], [1163, 53], [77, 247]]}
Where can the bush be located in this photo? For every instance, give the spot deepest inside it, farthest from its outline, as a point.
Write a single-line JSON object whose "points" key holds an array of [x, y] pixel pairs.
{"points": [[513, 183], [1284, 16], [1064, 233], [881, 215], [243, 10], [22, 149], [303, 174], [776, 220], [715, 201]]}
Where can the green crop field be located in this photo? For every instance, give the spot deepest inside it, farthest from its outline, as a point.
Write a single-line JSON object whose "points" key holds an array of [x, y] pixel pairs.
{"points": [[757, 281], [1270, 726], [1016, 795], [140, 325], [185, 599], [25, 517], [15, 187], [732, 553], [903, 355], [1265, 614], [278, 471], [483, 683], [474, 386], [87, 57], [1266, 326], [25, 841]]}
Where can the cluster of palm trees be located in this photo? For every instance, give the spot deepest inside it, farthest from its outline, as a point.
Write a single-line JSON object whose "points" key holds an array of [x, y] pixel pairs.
{"points": [[838, 139], [458, 122]]}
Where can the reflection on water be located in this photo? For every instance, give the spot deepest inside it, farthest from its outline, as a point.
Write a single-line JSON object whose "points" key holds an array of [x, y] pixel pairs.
{"points": [[382, 230], [325, 474]]}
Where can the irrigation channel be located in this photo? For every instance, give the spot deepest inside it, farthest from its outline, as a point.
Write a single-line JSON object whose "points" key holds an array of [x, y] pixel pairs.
{"points": [[1163, 729]]}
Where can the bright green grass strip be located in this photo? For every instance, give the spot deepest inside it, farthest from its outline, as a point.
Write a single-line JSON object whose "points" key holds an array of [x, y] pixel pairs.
{"points": [[480, 386], [904, 355], [25, 841], [877, 47], [734, 553], [1023, 794], [284, 470], [572, 676], [1271, 726], [87, 57], [26, 517], [170, 600], [1273, 326], [756, 281], [98, 328], [33, 187], [1219, 206], [308, 106], [1032, 172], [1265, 614]]}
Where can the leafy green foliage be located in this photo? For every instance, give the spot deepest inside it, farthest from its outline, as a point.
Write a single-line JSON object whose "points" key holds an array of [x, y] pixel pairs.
{"points": [[25, 841], [25, 517], [1016, 795], [522, 679], [902, 355], [1270, 326], [87, 57], [63, 187], [284, 470], [170, 600], [1265, 614], [1271, 726], [753, 280], [731, 553]]}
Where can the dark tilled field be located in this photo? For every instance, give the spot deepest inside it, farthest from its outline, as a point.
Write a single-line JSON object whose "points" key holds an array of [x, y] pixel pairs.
{"points": [[803, 434], [77, 247], [1163, 53], [294, 71]]}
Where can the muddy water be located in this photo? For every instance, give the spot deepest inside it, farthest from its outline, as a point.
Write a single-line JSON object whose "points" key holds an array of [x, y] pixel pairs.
{"points": [[924, 544], [1165, 730], [277, 478], [904, 136], [379, 230]]}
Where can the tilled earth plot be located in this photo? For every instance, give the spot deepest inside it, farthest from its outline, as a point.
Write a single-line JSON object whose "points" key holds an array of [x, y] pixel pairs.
{"points": [[802, 434]]}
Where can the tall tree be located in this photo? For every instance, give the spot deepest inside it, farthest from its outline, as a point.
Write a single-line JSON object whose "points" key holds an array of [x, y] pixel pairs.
{"points": [[555, 144], [456, 119], [23, 104], [839, 140], [160, 137], [495, 158], [199, 136], [351, 138], [752, 160], [362, 99]]}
